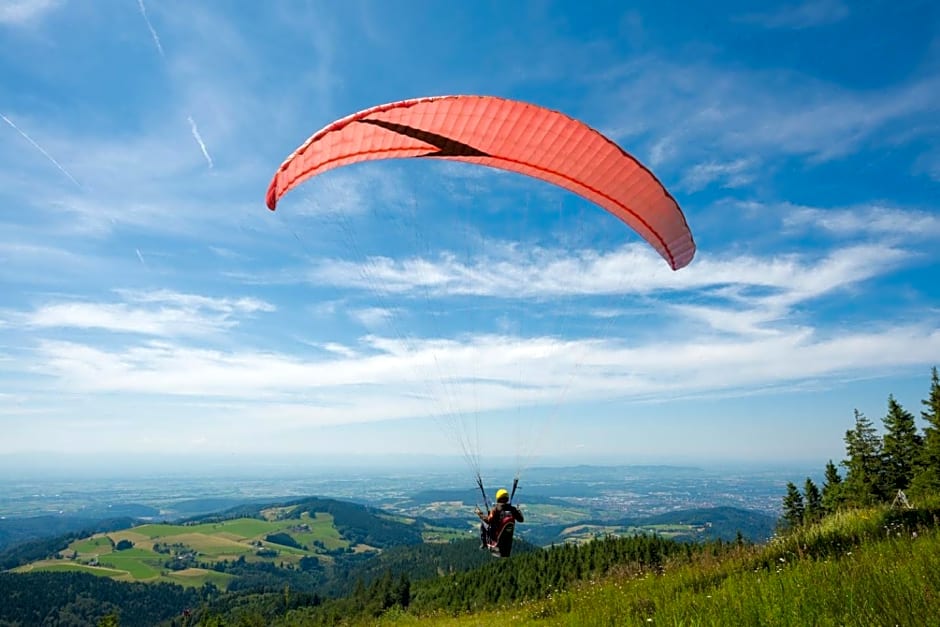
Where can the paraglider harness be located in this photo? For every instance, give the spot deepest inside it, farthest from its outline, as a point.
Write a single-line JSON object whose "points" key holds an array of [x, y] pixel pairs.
{"points": [[497, 536]]}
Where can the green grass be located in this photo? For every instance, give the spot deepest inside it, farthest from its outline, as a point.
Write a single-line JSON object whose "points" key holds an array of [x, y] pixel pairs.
{"points": [[97, 544], [212, 542], [554, 514], [433, 533], [874, 567], [321, 528], [241, 527], [214, 548], [891, 582], [138, 563], [197, 577], [244, 527], [71, 566]]}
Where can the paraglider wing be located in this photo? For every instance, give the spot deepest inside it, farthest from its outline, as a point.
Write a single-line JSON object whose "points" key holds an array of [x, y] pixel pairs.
{"points": [[505, 134]]}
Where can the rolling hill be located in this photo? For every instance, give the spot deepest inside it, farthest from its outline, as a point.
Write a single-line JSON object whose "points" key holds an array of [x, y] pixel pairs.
{"points": [[302, 541], [318, 548]]}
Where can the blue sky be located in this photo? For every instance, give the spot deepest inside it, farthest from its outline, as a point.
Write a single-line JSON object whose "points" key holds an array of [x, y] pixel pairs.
{"points": [[151, 305]]}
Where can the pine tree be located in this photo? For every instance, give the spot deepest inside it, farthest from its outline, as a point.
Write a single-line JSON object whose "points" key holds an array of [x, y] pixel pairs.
{"points": [[403, 590], [832, 497], [863, 481], [927, 474], [793, 509], [110, 620], [902, 447], [813, 508]]}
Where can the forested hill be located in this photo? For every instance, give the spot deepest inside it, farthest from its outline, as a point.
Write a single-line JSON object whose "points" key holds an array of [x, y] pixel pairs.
{"points": [[358, 524], [301, 545], [18, 530], [875, 566], [721, 522], [71, 598], [696, 525], [49, 535], [423, 561]]}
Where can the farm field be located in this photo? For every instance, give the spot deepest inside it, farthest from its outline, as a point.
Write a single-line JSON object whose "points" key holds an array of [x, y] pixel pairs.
{"points": [[588, 532], [186, 553]]}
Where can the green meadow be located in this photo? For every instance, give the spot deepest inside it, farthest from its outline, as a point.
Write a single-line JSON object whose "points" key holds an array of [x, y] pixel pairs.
{"points": [[156, 546], [860, 568], [59, 566], [433, 533]]}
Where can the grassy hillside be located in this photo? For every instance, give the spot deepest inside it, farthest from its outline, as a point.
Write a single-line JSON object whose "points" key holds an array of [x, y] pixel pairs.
{"points": [[870, 567], [186, 554], [284, 565], [306, 537], [894, 581]]}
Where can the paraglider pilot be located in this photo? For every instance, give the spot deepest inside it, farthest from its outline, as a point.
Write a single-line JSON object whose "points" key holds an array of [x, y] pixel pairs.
{"points": [[492, 523]]}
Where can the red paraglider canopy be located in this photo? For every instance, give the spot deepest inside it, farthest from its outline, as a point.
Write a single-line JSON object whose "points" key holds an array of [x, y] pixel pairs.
{"points": [[505, 134]]}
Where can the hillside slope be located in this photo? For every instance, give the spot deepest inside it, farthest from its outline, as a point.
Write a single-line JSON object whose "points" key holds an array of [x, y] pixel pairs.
{"points": [[876, 566], [298, 543]]}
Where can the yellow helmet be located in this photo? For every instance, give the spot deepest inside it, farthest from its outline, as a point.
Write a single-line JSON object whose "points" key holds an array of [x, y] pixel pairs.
{"points": [[502, 495]]}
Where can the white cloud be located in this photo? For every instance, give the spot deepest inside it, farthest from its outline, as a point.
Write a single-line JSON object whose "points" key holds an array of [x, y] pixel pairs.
{"points": [[741, 295], [161, 313], [633, 269], [701, 112], [514, 272], [196, 301], [929, 164], [340, 196], [737, 173], [24, 254], [794, 281], [748, 340], [18, 12], [480, 373], [372, 317], [339, 349], [755, 320], [867, 220]]}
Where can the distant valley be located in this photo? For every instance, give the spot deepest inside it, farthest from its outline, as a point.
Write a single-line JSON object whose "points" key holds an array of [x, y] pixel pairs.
{"points": [[315, 541]]}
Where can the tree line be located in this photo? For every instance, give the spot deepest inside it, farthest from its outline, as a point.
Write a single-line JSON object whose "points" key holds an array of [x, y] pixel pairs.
{"points": [[528, 575], [902, 463], [80, 599]]}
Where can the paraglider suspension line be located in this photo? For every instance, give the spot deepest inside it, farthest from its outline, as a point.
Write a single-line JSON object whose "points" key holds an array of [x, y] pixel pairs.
{"points": [[483, 491]]}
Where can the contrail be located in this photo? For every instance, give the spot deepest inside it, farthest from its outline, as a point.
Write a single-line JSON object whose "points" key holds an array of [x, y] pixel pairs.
{"points": [[192, 123], [198, 138], [141, 257], [153, 31], [40, 149]]}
